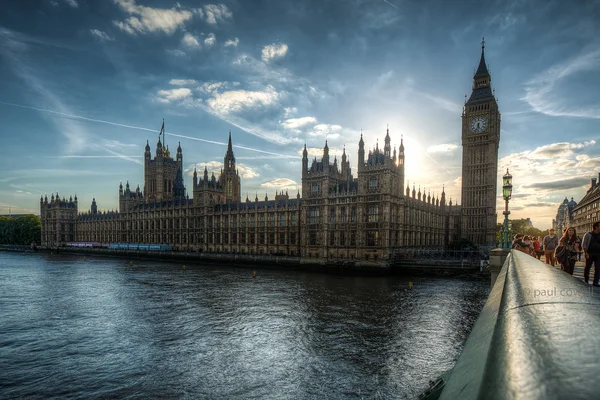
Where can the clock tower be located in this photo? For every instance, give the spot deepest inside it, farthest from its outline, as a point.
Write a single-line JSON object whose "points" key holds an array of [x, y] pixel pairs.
{"points": [[480, 141]]}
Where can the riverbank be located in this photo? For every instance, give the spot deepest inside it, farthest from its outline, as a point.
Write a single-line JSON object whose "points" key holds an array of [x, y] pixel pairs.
{"points": [[264, 261]]}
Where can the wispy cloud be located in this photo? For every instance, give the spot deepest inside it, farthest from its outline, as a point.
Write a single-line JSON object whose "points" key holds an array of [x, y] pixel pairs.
{"points": [[232, 42], [154, 131], [190, 41], [100, 35], [210, 40], [72, 3], [548, 93], [274, 51], [147, 19], [442, 148], [280, 183], [182, 82], [215, 13], [237, 100], [171, 95], [446, 104], [295, 123]]}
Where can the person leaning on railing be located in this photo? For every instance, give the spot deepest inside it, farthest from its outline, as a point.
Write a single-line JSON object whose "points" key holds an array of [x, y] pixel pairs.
{"points": [[591, 249]]}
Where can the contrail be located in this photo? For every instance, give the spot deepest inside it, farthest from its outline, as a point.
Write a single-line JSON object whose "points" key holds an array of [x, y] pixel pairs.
{"points": [[142, 129], [387, 2]]}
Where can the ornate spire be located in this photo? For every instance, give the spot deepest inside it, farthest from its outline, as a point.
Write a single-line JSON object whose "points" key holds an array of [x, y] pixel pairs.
{"points": [[482, 69]]}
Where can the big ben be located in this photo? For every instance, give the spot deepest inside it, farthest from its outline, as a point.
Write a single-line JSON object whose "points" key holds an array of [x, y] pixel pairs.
{"points": [[480, 141]]}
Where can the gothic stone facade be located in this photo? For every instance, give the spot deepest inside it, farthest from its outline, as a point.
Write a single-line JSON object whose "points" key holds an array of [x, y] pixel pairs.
{"points": [[587, 211], [480, 140], [338, 217]]}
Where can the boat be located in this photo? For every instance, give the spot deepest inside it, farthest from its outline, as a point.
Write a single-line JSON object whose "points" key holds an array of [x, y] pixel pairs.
{"points": [[435, 387]]}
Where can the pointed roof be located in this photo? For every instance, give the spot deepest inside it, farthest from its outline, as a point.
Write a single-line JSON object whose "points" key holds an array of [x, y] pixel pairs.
{"points": [[229, 146], [482, 69]]}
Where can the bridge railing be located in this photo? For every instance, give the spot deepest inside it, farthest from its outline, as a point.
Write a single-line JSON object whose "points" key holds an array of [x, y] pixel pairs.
{"points": [[438, 254], [537, 337]]}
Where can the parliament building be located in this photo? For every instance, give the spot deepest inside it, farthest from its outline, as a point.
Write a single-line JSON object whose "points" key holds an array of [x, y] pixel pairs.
{"points": [[337, 215]]}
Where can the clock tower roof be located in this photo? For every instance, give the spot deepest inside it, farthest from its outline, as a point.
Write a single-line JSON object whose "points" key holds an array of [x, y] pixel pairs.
{"points": [[482, 90], [482, 69]]}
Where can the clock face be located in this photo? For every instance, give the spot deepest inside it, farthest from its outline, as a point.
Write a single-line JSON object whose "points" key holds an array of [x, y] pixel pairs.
{"points": [[477, 124]]}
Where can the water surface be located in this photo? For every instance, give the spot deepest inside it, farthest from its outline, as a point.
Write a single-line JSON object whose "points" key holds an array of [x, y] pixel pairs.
{"points": [[98, 328]]}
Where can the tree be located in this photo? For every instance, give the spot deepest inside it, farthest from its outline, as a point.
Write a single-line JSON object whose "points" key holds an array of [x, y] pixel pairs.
{"points": [[520, 226], [22, 230]]}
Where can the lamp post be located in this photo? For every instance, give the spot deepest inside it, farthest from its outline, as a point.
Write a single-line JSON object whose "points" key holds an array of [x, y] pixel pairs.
{"points": [[506, 193]]}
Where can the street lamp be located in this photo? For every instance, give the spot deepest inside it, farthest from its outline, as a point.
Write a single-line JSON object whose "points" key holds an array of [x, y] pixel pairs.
{"points": [[506, 193]]}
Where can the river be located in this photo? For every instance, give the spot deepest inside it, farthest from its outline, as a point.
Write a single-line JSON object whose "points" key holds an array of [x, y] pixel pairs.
{"points": [[106, 328]]}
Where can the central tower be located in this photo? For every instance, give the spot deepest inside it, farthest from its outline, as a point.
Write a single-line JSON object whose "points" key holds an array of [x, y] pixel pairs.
{"points": [[480, 141]]}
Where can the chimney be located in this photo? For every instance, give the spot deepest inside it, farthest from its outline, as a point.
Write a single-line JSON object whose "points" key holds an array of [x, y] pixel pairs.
{"points": [[593, 183]]}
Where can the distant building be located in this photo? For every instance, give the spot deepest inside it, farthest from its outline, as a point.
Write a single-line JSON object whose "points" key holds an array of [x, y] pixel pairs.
{"points": [[338, 217], [564, 215], [587, 211]]}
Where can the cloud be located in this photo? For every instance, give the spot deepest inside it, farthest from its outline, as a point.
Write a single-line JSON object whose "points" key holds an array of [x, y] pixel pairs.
{"points": [[295, 123], [442, 148], [237, 100], [246, 172], [115, 144], [274, 51], [564, 184], [289, 111], [178, 53], [326, 130], [101, 36], [172, 95], [216, 13], [210, 40], [446, 104], [182, 82], [190, 41], [280, 183], [546, 175], [232, 43], [147, 19], [318, 152], [211, 87], [72, 3], [551, 151], [561, 90]]}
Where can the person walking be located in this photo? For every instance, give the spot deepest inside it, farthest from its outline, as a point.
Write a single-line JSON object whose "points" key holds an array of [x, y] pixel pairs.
{"points": [[537, 247], [571, 242], [550, 242], [591, 249]]}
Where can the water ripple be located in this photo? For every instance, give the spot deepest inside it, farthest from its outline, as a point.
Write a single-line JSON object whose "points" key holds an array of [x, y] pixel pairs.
{"points": [[103, 328]]}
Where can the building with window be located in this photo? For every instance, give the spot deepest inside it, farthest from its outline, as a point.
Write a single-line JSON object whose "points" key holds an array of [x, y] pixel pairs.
{"points": [[339, 216], [587, 211]]}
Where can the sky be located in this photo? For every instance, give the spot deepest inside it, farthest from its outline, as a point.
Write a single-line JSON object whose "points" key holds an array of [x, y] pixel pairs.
{"points": [[84, 84]]}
